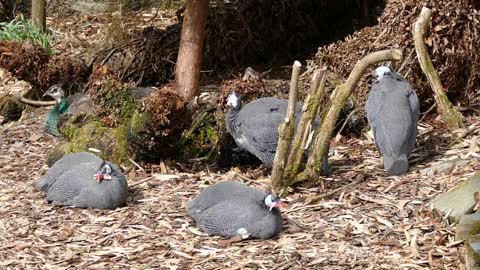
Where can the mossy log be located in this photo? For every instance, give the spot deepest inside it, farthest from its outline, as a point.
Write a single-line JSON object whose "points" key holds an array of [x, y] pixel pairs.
{"points": [[111, 143], [452, 118]]}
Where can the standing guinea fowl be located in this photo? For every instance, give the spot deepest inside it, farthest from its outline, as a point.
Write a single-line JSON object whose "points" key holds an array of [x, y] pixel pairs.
{"points": [[86, 181], [231, 209], [254, 127], [64, 107], [392, 110]]}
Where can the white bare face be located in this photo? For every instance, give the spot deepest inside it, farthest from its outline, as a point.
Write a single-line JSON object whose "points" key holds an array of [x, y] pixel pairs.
{"points": [[233, 101], [272, 202], [380, 71]]}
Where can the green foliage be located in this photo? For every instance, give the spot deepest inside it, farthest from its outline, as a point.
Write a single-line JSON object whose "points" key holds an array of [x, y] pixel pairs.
{"points": [[21, 30]]}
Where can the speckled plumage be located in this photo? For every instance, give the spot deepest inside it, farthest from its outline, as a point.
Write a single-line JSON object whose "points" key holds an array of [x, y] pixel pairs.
{"points": [[231, 209], [254, 126], [214, 194], [393, 110], [70, 181]]}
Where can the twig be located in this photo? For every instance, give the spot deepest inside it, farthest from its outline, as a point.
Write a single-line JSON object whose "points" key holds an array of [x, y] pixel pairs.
{"points": [[136, 164], [452, 118], [285, 132], [346, 120], [35, 102], [141, 181], [317, 198]]}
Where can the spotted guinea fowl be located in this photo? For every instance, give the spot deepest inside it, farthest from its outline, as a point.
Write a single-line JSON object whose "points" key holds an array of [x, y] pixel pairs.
{"points": [[86, 181], [231, 209], [392, 110], [254, 127]]}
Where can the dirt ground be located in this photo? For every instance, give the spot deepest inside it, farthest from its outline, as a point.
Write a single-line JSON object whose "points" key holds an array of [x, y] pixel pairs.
{"points": [[379, 223]]}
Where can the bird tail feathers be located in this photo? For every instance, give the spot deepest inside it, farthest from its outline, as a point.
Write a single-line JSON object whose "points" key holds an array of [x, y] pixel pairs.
{"points": [[396, 165]]}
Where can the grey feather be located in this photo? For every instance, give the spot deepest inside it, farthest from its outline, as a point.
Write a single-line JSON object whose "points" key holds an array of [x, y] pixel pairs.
{"points": [[62, 165], [393, 110], [216, 193], [227, 217], [254, 126], [73, 184]]}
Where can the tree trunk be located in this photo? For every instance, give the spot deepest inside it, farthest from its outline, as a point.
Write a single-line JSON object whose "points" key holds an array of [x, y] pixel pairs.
{"points": [[187, 71], [39, 14]]}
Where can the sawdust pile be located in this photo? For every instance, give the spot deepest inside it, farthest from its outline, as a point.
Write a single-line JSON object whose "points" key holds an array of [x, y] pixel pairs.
{"points": [[453, 42], [32, 63]]}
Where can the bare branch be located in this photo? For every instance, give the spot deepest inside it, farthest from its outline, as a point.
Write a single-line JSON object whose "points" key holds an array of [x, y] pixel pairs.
{"points": [[285, 132]]}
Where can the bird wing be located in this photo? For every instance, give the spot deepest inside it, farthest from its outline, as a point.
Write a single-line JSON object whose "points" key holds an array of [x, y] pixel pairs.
{"points": [[259, 120], [228, 217], [70, 183], [392, 120], [221, 191]]}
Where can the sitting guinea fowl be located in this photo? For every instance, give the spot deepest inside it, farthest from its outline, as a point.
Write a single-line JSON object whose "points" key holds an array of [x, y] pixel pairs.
{"points": [[84, 180], [254, 127], [231, 209], [392, 110], [71, 105]]}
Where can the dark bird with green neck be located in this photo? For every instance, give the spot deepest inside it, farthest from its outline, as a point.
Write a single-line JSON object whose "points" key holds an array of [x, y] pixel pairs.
{"points": [[64, 107]]}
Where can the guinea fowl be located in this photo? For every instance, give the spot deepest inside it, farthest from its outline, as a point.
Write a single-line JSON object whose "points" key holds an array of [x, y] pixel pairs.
{"points": [[64, 107], [254, 127], [231, 209], [392, 110], [86, 181]]}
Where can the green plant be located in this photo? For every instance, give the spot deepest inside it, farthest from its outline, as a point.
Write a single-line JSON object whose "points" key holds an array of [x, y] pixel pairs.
{"points": [[21, 29]]}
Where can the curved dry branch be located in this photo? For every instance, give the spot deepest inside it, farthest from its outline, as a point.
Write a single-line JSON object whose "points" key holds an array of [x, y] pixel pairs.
{"points": [[452, 118]]}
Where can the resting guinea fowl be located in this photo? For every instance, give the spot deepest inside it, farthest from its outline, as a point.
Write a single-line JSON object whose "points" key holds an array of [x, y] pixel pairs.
{"points": [[231, 209], [254, 127], [64, 107], [86, 181], [392, 110]]}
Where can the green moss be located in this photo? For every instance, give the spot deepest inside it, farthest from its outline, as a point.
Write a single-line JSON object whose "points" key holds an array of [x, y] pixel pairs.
{"points": [[202, 139], [116, 101], [112, 142], [138, 123]]}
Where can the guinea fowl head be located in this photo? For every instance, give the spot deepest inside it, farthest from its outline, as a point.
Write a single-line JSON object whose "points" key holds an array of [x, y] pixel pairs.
{"points": [[104, 173], [272, 202], [56, 92], [380, 71], [233, 101]]}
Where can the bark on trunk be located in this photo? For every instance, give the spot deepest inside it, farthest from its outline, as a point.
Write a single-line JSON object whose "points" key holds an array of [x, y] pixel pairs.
{"points": [[39, 14], [187, 72]]}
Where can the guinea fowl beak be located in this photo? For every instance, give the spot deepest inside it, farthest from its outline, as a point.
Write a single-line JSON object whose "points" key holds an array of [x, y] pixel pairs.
{"points": [[99, 177]]}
